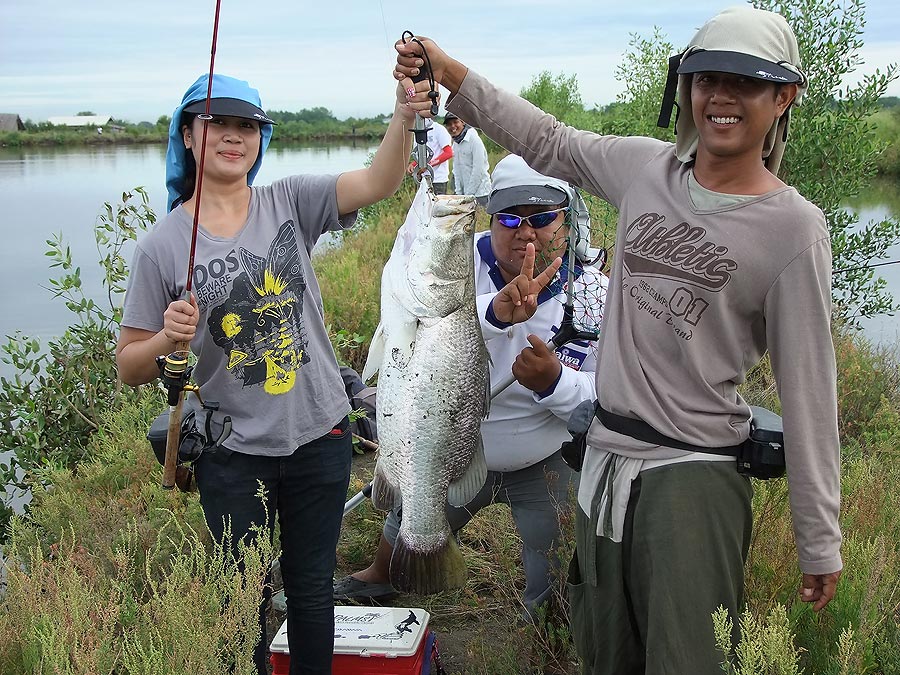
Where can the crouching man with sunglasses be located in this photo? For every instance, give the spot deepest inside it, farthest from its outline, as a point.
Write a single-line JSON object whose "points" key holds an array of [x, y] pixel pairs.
{"points": [[527, 421]]}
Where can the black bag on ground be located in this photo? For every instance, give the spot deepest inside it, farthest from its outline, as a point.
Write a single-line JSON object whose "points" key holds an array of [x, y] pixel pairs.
{"points": [[361, 396]]}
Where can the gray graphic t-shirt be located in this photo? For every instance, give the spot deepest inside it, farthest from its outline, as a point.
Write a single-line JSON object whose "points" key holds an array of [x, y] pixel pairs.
{"points": [[262, 348]]}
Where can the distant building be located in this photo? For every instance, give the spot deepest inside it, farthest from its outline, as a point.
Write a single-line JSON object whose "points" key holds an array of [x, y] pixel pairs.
{"points": [[11, 122], [80, 121]]}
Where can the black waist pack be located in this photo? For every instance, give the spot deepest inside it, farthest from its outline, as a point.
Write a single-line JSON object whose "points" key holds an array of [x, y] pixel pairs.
{"points": [[760, 456], [579, 422]]}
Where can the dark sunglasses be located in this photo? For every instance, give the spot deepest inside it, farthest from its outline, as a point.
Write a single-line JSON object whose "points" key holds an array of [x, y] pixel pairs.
{"points": [[535, 220]]}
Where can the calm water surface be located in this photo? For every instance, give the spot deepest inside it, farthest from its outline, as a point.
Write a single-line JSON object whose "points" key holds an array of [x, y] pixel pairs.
{"points": [[47, 191]]}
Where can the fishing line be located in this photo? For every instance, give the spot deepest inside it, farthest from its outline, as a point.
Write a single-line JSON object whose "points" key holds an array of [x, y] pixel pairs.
{"points": [[387, 39], [866, 267]]}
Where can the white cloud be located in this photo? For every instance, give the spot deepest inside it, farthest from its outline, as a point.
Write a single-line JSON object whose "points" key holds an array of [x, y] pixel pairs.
{"points": [[58, 58]]}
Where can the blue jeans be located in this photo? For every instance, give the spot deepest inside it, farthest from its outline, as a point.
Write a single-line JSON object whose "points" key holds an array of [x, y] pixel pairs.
{"points": [[306, 490]]}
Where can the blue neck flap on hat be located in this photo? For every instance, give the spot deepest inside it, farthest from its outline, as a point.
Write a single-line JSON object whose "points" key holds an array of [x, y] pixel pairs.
{"points": [[176, 153]]}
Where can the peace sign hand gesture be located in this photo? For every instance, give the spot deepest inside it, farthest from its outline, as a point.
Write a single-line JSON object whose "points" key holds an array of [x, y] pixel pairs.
{"points": [[517, 301]]}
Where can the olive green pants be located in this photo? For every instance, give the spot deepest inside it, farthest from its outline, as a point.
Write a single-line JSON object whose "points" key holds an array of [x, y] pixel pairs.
{"points": [[644, 605]]}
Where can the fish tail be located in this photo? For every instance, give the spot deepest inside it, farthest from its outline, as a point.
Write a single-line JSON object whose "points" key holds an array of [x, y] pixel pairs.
{"points": [[427, 572]]}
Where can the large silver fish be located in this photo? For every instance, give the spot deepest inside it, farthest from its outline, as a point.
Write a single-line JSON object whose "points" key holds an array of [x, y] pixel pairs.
{"points": [[433, 388]]}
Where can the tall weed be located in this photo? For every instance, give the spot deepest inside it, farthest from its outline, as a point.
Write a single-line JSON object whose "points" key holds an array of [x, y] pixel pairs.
{"points": [[112, 574], [52, 405]]}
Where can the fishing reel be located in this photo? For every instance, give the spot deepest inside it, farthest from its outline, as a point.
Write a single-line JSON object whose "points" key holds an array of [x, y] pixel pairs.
{"points": [[175, 374]]}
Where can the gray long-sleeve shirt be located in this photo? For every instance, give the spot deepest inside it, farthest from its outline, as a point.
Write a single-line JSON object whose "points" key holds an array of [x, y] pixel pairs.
{"points": [[696, 298]]}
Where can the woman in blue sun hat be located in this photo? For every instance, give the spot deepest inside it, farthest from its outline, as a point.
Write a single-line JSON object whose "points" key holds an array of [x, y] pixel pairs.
{"points": [[255, 323]]}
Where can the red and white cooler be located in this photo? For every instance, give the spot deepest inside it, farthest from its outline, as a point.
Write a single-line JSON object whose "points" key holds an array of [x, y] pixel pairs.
{"points": [[370, 641]]}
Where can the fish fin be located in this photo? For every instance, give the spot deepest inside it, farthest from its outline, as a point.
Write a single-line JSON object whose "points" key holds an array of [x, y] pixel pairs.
{"points": [[463, 490], [427, 572], [384, 494], [487, 387], [376, 354], [402, 342]]}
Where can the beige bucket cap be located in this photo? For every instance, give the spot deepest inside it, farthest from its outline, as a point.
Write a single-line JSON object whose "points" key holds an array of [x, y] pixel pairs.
{"points": [[745, 41]]}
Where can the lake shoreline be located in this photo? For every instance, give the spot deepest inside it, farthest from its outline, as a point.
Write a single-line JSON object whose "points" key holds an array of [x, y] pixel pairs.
{"points": [[40, 141]]}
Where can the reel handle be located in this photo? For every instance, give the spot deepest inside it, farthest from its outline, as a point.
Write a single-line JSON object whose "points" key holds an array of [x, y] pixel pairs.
{"points": [[174, 371]]}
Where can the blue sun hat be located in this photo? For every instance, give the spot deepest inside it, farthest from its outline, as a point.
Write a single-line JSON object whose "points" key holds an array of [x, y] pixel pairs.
{"points": [[231, 97]]}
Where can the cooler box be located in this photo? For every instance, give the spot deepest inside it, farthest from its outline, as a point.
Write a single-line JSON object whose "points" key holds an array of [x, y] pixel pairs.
{"points": [[370, 641]]}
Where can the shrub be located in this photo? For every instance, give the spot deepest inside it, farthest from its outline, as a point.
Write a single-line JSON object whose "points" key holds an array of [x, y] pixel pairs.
{"points": [[52, 405]]}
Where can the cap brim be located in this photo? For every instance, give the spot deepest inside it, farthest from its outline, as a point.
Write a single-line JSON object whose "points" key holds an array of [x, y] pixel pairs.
{"points": [[524, 195], [719, 61], [229, 107]]}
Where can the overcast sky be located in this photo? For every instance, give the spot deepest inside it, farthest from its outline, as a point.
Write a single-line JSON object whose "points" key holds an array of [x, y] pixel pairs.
{"points": [[134, 60]]}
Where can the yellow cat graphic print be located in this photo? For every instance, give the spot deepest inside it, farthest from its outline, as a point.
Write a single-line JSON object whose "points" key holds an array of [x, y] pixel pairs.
{"points": [[260, 325]]}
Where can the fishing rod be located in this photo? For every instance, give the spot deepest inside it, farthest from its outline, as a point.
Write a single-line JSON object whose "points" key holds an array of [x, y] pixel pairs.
{"points": [[174, 370], [866, 267]]}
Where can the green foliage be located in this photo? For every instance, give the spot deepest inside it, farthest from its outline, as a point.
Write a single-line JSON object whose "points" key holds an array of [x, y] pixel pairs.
{"points": [[52, 405], [109, 573], [861, 626], [643, 73], [868, 393], [833, 146], [859, 630], [305, 125], [887, 132], [766, 647], [560, 96], [154, 612]]}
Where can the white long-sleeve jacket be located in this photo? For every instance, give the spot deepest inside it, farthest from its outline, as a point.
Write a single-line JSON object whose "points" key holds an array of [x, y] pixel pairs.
{"points": [[522, 427]]}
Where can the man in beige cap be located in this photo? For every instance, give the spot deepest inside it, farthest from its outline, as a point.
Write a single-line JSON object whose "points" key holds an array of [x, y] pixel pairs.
{"points": [[717, 261]]}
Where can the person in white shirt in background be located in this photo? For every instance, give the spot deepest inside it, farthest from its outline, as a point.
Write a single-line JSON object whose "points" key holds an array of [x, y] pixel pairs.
{"points": [[470, 160], [440, 143]]}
